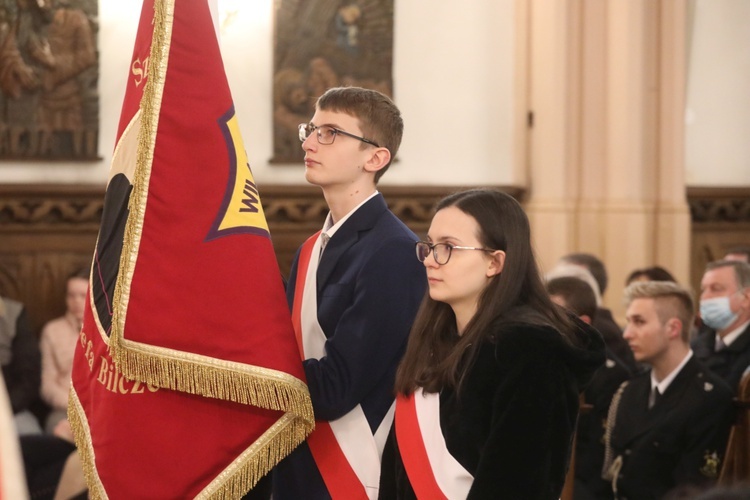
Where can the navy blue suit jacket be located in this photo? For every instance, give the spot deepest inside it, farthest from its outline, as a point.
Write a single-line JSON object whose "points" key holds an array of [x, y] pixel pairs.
{"points": [[370, 285]]}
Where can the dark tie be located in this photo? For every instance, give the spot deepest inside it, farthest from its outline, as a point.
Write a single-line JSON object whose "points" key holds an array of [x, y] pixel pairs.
{"points": [[655, 396]]}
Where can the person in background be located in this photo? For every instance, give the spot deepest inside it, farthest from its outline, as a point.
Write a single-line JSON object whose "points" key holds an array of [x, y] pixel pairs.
{"points": [[578, 297], [654, 273], [354, 290], [57, 345], [488, 388], [741, 253], [604, 322], [724, 347], [668, 427], [19, 358]]}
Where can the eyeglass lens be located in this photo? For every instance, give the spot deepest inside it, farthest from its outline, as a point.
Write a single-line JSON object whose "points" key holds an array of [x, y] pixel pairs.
{"points": [[440, 251], [326, 135]]}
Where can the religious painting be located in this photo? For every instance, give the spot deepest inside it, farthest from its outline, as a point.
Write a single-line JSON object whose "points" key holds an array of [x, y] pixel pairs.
{"points": [[49, 104], [320, 44]]}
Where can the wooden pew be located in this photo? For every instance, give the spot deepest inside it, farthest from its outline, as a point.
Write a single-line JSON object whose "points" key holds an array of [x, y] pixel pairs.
{"points": [[567, 492], [736, 468]]}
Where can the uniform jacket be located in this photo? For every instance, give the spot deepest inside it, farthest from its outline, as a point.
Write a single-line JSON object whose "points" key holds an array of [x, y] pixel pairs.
{"points": [[729, 363], [512, 424], [680, 441], [370, 285], [591, 423]]}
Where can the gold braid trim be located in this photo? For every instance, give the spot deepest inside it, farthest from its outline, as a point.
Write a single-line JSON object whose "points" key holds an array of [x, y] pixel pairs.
{"points": [[233, 482], [209, 377], [612, 465], [149, 107], [188, 372], [168, 368], [255, 462], [82, 435]]}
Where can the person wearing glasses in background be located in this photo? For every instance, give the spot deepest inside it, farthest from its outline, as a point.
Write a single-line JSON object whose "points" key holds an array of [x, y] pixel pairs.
{"points": [[354, 290], [487, 392]]}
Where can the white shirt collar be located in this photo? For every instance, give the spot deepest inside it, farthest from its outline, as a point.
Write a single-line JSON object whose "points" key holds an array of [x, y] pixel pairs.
{"points": [[329, 228], [732, 336], [662, 386]]}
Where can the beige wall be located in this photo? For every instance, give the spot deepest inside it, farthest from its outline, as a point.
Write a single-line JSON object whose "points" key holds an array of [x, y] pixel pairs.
{"points": [[461, 88], [717, 118], [453, 73]]}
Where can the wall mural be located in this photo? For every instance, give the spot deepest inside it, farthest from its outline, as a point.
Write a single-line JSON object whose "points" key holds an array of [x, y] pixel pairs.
{"points": [[320, 44], [49, 105]]}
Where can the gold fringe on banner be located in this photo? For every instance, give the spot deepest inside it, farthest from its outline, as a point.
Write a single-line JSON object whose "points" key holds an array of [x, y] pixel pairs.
{"points": [[236, 480], [195, 374], [150, 106], [82, 435], [188, 372], [257, 460], [165, 368]]}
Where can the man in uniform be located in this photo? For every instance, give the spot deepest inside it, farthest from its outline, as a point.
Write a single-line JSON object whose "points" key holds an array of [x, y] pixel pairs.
{"points": [[667, 427]]}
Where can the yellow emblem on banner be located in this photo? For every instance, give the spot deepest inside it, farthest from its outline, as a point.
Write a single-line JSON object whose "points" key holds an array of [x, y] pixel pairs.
{"points": [[242, 211]]}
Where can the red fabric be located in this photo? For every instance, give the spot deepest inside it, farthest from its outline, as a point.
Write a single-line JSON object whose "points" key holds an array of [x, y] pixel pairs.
{"points": [[196, 288], [162, 444], [413, 452], [303, 263], [339, 477]]}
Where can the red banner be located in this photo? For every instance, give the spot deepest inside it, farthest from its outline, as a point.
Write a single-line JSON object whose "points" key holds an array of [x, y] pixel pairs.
{"points": [[187, 380]]}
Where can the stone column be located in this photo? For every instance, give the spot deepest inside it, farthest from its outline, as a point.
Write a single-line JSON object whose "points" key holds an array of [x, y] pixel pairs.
{"points": [[605, 151]]}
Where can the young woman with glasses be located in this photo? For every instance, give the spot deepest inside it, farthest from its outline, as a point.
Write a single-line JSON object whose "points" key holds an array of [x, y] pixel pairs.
{"points": [[487, 393]]}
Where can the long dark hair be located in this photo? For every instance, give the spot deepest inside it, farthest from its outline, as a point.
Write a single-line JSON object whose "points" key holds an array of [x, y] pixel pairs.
{"points": [[435, 355]]}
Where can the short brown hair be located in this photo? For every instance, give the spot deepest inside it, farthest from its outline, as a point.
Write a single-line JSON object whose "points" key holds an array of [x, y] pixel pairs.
{"points": [[653, 273], [670, 299], [593, 264], [379, 118], [578, 295]]}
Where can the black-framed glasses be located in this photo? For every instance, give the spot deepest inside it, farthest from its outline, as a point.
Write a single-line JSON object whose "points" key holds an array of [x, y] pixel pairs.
{"points": [[327, 134], [441, 251]]}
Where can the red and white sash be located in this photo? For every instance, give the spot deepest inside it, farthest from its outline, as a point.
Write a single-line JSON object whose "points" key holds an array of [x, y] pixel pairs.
{"points": [[345, 450], [432, 470]]}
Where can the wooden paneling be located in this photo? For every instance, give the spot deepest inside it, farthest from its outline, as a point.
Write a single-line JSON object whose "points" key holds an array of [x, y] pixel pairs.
{"points": [[47, 232], [720, 220]]}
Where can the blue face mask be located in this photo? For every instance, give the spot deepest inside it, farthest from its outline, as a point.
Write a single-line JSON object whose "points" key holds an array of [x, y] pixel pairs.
{"points": [[717, 313]]}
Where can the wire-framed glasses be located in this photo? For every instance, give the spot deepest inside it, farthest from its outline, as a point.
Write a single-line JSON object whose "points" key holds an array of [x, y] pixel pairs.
{"points": [[327, 134], [441, 251]]}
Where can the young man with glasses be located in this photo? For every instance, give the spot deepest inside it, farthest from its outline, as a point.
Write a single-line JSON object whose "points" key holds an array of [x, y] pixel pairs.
{"points": [[354, 290]]}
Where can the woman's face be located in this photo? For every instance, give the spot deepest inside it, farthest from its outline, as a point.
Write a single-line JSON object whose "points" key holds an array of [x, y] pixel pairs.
{"points": [[461, 280], [75, 296]]}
